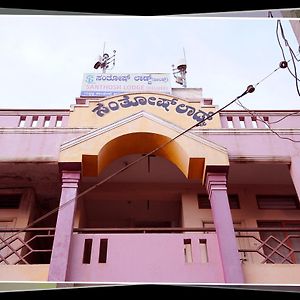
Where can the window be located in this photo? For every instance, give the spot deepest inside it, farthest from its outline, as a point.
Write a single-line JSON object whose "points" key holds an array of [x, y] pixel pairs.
{"points": [[281, 246], [203, 201], [8, 201], [277, 202]]}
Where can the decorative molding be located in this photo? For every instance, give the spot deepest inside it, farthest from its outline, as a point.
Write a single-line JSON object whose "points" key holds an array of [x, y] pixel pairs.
{"points": [[19, 113], [132, 118], [42, 130], [268, 113], [260, 159], [247, 131]]}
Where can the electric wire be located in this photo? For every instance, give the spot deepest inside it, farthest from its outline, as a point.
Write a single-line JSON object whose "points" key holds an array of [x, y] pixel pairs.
{"points": [[209, 117], [281, 119], [257, 117], [293, 56]]}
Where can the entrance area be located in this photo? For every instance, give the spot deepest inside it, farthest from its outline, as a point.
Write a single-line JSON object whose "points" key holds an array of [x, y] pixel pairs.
{"points": [[146, 195]]}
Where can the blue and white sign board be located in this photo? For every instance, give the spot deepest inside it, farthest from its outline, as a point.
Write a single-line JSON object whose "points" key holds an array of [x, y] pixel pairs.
{"points": [[108, 84]]}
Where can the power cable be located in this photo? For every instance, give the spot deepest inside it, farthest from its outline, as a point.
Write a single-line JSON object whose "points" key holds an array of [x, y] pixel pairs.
{"points": [[293, 55], [249, 89], [267, 123]]}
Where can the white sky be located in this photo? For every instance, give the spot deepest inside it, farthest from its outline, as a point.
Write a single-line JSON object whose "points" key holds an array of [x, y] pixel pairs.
{"points": [[43, 58]]}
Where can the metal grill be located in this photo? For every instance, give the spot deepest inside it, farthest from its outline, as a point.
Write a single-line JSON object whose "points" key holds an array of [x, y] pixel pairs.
{"points": [[270, 245], [31, 246]]}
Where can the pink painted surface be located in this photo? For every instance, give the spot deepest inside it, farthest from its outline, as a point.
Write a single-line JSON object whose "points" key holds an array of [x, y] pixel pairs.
{"points": [[44, 145], [217, 190], [145, 258], [64, 227], [32, 146], [291, 121], [11, 119]]}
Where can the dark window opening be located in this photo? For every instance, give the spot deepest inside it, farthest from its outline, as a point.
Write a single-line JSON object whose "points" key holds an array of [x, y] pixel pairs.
{"points": [[87, 251], [203, 201], [103, 250], [277, 202], [10, 200]]}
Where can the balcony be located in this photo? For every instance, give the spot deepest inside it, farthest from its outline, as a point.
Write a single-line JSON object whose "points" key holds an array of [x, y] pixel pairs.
{"points": [[145, 257], [34, 119], [259, 119], [168, 255]]}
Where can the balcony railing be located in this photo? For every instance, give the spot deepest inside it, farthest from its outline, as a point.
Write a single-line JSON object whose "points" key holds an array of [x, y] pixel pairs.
{"points": [[26, 246], [144, 254], [256, 245], [269, 245], [34, 119], [259, 119]]}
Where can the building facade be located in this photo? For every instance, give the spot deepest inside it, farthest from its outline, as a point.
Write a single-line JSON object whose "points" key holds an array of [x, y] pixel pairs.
{"points": [[116, 189]]}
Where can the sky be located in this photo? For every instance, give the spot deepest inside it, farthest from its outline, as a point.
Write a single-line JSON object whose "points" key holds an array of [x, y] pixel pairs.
{"points": [[43, 57]]}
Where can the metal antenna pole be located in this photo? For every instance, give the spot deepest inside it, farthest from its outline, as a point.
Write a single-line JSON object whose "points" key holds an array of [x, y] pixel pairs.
{"points": [[104, 66], [184, 76], [103, 49], [179, 71]]}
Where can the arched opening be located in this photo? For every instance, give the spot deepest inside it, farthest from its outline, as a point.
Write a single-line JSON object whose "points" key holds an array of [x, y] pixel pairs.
{"points": [[148, 194], [142, 143], [121, 201]]}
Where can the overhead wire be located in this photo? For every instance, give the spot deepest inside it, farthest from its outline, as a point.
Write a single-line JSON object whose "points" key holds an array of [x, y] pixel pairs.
{"points": [[249, 89], [257, 117], [279, 27]]}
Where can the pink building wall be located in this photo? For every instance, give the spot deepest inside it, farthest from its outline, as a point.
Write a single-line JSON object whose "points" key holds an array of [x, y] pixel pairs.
{"points": [[146, 258], [43, 143]]}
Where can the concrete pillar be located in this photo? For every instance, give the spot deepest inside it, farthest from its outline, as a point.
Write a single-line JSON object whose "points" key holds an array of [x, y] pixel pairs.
{"points": [[64, 226], [295, 173], [217, 191]]}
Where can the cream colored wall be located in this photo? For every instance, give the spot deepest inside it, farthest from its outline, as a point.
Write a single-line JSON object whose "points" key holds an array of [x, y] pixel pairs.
{"points": [[248, 214], [80, 219], [83, 116], [191, 217], [24, 272], [246, 217], [25, 213], [213, 154], [18, 218], [271, 274]]}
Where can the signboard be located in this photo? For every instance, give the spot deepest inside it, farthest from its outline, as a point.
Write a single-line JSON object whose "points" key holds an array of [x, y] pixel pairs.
{"points": [[108, 84], [167, 104]]}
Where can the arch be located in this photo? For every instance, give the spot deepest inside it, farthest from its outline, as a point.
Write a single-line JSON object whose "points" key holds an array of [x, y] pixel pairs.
{"points": [[142, 142], [141, 133]]}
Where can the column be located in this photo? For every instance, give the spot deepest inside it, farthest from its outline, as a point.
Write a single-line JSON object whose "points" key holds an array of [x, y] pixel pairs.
{"points": [[64, 226], [217, 191], [295, 173]]}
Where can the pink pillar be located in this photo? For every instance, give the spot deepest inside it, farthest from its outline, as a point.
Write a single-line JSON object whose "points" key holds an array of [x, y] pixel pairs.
{"points": [[64, 226], [217, 191], [295, 173]]}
